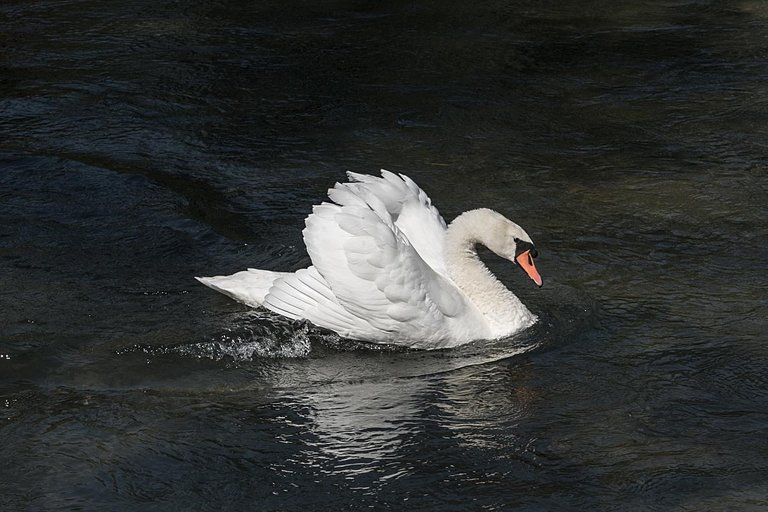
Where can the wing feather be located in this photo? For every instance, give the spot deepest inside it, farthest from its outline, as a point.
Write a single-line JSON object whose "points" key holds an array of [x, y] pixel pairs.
{"points": [[408, 206], [305, 295], [372, 266]]}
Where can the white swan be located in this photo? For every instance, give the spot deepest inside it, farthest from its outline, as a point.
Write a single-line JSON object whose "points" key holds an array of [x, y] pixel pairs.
{"points": [[386, 269]]}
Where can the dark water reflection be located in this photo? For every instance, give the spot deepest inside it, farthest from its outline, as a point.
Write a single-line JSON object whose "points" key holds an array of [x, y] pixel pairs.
{"points": [[143, 143]]}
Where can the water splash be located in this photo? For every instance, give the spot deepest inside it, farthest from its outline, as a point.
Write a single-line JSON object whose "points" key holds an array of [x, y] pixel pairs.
{"points": [[252, 338], [237, 347]]}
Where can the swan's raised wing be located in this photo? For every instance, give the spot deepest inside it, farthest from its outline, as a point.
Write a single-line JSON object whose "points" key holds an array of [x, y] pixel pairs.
{"points": [[408, 206], [376, 274]]}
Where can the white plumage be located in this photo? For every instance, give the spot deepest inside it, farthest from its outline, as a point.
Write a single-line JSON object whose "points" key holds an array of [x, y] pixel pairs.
{"points": [[386, 269]]}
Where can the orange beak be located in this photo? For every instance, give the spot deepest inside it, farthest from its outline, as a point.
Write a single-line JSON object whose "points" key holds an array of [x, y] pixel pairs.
{"points": [[525, 260]]}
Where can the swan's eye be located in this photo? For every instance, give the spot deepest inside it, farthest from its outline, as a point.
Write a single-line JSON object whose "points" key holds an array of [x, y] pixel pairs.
{"points": [[523, 246]]}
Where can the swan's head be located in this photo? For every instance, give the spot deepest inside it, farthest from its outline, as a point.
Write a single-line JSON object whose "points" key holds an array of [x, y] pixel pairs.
{"points": [[510, 241]]}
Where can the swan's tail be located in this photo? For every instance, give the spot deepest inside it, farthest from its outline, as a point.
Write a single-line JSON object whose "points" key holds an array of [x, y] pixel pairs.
{"points": [[249, 286]]}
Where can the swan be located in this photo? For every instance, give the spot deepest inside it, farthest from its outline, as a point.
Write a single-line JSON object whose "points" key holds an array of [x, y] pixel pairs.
{"points": [[386, 269]]}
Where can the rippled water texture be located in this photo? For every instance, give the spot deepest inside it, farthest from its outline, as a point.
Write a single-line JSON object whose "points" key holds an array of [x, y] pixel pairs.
{"points": [[145, 142]]}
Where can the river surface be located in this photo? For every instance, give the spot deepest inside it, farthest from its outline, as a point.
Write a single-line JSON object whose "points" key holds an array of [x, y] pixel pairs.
{"points": [[146, 142]]}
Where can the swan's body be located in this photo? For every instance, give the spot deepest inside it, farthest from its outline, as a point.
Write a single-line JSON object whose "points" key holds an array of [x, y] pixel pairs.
{"points": [[386, 269]]}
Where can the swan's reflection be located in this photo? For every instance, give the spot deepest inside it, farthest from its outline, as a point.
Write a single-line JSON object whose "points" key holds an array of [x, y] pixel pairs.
{"points": [[381, 425]]}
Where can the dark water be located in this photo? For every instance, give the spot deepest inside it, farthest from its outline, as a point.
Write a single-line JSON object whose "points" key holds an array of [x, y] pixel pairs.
{"points": [[145, 142]]}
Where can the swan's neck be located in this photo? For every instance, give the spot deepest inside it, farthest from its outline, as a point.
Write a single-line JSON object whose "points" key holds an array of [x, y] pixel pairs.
{"points": [[501, 308]]}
